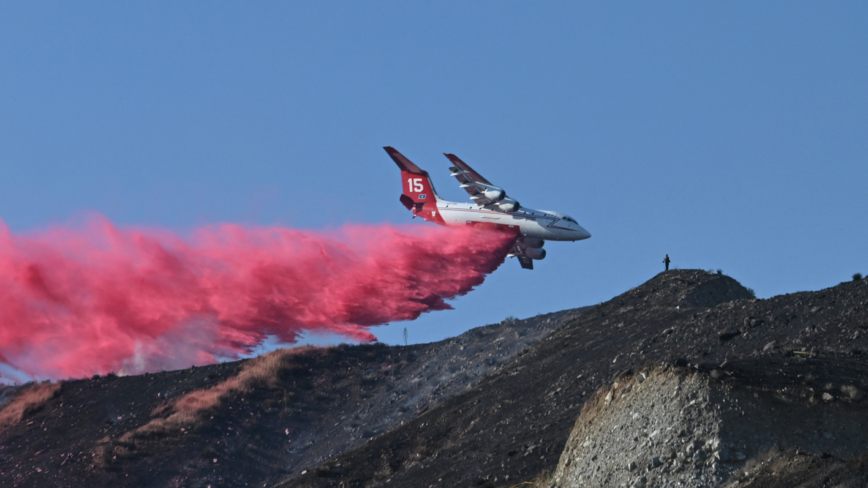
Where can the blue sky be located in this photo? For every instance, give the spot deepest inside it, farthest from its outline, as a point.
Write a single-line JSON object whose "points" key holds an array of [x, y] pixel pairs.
{"points": [[730, 135]]}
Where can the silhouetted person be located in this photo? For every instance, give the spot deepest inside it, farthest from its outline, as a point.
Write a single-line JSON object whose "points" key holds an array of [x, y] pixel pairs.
{"points": [[666, 261]]}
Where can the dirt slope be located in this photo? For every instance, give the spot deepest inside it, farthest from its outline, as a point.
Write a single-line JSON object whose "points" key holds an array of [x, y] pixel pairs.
{"points": [[514, 425], [321, 402], [697, 427]]}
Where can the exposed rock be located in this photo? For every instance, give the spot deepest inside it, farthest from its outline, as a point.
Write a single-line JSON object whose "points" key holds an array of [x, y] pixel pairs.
{"points": [[852, 392], [739, 411]]}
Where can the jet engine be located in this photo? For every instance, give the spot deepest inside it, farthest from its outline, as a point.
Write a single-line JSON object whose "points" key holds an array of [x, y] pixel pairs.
{"points": [[533, 242], [495, 194], [535, 253], [509, 205]]}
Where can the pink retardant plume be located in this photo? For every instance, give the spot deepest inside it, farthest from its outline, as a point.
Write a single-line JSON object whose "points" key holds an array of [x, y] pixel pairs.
{"points": [[77, 302]]}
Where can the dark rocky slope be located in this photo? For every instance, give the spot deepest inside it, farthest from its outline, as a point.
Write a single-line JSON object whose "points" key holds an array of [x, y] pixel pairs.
{"points": [[514, 425], [794, 468], [493, 407], [320, 403]]}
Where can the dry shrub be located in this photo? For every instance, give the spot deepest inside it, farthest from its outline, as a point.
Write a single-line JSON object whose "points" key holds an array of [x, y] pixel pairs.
{"points": [[263, 371], [28, 399]]}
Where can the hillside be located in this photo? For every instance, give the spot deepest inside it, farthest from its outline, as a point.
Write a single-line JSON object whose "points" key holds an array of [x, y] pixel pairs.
{"points": [[513, 426], [495, 406], [294, 408], [701, 425]]}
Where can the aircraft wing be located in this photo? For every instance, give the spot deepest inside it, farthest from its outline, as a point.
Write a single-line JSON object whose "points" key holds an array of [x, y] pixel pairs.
{"points": [[481, 190]]}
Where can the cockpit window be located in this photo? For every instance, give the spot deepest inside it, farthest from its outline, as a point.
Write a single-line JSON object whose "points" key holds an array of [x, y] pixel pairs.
{"points": [[570, 219]]}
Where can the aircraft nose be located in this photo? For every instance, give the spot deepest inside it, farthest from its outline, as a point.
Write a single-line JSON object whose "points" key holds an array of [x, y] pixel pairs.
{"points": [[583, 234]]}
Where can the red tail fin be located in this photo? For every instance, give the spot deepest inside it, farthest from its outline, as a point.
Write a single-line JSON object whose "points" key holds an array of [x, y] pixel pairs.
{"points": [[419, 195]]}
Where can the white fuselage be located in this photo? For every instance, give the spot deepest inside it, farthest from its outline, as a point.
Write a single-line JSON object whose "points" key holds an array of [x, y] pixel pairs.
{"points": [[540, 224]]}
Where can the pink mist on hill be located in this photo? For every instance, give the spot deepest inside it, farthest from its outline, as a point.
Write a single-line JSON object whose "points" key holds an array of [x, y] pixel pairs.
{"points": [[77, 302]]}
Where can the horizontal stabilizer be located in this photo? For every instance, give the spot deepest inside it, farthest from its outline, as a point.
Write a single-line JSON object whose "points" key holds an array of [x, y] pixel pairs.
{"points": [[407, 202]]}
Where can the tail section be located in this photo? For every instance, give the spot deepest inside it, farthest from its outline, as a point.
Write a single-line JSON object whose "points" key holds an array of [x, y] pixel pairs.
{"points": [[419, 195], [416, 182]]}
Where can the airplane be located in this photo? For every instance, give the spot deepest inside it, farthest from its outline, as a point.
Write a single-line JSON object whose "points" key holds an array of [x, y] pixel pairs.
{"points": [[490, 208]]}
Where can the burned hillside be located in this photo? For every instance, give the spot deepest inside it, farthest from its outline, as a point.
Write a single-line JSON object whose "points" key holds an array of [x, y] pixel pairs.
{"points": [[492, 407], [513, 426], [258, 421]]}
